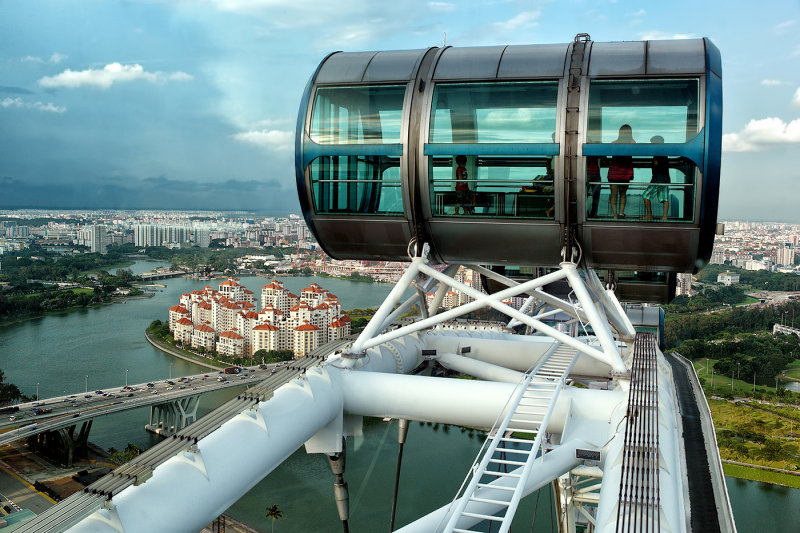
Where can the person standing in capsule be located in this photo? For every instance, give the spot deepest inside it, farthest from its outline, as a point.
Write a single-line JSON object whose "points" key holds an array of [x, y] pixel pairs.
{"points": [[620, 173], [463, 195]]}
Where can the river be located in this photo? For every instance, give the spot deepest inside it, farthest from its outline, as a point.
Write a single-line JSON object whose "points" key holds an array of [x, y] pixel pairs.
{"points": [[98, 348]]}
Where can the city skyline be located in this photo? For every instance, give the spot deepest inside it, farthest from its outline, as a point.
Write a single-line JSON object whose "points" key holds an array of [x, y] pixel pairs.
{"points": [[192, 105]]}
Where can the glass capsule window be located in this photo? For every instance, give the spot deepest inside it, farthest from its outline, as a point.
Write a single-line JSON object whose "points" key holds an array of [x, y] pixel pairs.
{"points": [[358, 115], [514, 112], [661, 189], [520, 187], [642, 112], [494, 185], [666, 108], [351, 185]]}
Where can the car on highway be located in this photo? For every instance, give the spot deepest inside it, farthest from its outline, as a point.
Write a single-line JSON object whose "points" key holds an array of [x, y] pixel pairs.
{"points": [[88, 396], [98, 392], [151, 385]]}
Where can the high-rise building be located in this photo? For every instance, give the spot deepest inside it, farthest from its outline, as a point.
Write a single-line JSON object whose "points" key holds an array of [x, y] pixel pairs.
{"points": [[98, 239], [785, 254], [684, 284]]}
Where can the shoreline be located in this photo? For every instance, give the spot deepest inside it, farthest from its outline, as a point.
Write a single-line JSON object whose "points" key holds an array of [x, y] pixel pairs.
{"points": [[174, 353], [67, 310]]}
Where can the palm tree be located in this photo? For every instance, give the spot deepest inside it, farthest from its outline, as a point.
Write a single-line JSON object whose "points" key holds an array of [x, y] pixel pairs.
{"points": [[275, 514]]}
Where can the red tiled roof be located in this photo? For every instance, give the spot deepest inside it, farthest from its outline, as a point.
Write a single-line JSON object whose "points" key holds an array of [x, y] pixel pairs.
{"points": [[185, 322], [313, 288], [251, 314], [179, 309], [266, 327], [204, 305], [204, 328], [299, 306], [306, 327], [231, 335]]}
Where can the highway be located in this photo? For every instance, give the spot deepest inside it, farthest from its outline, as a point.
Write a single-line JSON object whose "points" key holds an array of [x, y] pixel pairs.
{"points": [[80, 505], [76, 408]]}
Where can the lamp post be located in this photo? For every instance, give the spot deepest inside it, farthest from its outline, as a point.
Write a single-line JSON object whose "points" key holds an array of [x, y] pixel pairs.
{"points": [[712, 379], [706, 366], [86, 383], [37, 391], [738, 370], [126, 377], [754, 380]]}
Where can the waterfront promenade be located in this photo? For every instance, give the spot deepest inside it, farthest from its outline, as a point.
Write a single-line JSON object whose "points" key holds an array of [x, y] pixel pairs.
{"points": [[196, 359]]}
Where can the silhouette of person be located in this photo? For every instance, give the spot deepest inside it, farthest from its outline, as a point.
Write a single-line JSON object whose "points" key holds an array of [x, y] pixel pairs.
{"points": [[620, 173], [593, 178], [657, 190], [463, 195]]}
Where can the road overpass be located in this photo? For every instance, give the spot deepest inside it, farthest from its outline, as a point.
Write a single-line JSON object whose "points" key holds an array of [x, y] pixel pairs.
{"points": [[68, 411], [80, 505]]}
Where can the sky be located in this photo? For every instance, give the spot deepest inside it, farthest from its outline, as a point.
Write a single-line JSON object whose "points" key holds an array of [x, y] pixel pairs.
{"points": [[192, 104]]}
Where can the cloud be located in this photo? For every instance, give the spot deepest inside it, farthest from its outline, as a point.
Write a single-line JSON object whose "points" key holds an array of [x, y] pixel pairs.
{"points": [[19, 103], [759, 134], [796, 98], [441, 7], [785, 26], [107, 76], [773, 83], [664, 36], [639, 13], [55, 58], [524, 19], [272, 139]]}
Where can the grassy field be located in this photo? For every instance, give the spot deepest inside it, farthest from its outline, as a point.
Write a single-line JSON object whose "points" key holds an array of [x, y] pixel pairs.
{"points": [[745, 434], [793, 370], [723, 383], [756, 474]]}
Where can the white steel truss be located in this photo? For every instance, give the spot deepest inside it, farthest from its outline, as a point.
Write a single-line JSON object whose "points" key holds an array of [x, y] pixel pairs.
{"points": [[594, 307]]}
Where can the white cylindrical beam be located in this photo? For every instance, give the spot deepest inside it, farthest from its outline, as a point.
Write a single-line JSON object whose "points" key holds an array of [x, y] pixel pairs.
{"points": [[190, 490], [479, 369]]}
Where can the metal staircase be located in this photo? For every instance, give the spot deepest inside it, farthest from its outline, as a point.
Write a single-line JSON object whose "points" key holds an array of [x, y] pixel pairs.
{"points": [[493, 492]]}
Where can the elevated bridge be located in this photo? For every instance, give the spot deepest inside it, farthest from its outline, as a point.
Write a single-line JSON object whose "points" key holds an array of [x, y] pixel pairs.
{"points": [[97, 495], [173, 405]]}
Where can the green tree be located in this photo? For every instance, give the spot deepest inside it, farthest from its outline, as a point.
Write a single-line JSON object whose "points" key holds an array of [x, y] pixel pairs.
{"points": [[274, 513], [8, 391]]}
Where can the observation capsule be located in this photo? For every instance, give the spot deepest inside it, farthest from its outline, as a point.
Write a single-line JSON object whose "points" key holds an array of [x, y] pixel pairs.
{"points": [[507, 155]]}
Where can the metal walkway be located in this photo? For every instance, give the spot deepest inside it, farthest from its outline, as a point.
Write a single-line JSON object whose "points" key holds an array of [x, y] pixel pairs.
{"points": [[638, 509], [97, 495], [515, 442]]}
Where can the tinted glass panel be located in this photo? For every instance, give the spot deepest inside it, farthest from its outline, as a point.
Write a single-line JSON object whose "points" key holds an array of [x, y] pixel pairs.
{"points": [[661, 189], [511, 112], [520, 187], [668, 108], [358, 115], [356, 185]]}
